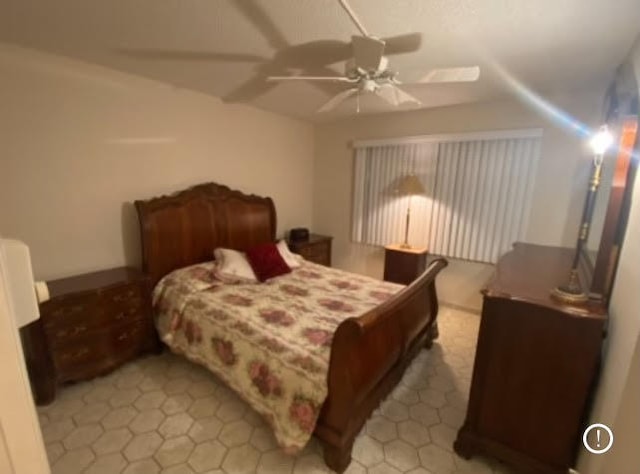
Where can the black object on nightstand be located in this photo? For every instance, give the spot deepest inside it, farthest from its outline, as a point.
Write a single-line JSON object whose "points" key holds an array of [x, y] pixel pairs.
{"points": [[316, 249], [91, 324], [404, 264]]}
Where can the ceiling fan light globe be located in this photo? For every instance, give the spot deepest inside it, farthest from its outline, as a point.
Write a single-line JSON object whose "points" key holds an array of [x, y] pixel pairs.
{"points": [[369, 85]]}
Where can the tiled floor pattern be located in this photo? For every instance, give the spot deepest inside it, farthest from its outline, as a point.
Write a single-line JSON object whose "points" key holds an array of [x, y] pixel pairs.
{"points": [[162, 414]]}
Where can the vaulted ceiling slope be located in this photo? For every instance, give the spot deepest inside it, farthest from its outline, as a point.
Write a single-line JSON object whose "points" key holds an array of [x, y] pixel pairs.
{"points": [[226, 48]]}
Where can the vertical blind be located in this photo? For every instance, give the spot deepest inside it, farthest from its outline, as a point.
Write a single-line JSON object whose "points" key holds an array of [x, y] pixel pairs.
{"points": [[478, 193], [379, 213]]}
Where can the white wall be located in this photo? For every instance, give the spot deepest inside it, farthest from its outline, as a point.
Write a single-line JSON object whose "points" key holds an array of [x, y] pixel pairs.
{"points": [[624, 457], [622, 338], [559, 189], [622, 341], [81, 142]]}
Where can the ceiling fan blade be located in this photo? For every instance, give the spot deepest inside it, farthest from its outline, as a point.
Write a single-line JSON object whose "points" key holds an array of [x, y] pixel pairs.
{"points": [[313, 54], [249, 90], [405, 97], [367, 52], [311, 78], [395, 96], [389, 93], [263, 23], [334, 101], [328, 87], [353, 17], [403, 43], [454, 74], [159, 54]]}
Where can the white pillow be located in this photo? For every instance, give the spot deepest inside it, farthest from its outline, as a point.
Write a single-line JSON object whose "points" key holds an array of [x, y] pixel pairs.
{"points": [[233, 267], [290, 258]]}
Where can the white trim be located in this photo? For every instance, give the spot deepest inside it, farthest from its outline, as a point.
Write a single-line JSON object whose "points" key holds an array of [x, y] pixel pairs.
{"points": [[17, 409], [451, 137]]}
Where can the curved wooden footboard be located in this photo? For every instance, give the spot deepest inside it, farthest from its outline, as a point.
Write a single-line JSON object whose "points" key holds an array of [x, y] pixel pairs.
{"points": [[369, 355]]}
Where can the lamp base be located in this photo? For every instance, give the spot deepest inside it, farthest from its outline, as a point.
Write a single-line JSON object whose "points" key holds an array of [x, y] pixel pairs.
{"points": [[571, 292], [405, 245]]}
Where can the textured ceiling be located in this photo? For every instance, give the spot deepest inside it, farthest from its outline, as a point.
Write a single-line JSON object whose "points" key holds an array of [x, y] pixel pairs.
{"points": [[548, 44]]}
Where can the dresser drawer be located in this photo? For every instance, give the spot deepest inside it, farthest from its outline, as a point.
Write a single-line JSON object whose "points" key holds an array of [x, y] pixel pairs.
{"points": [[121, 296], [101, 319], [121, 304], [114, 306], [317, 253], [404, 265], [101, 350], [317, 249], [68, 312]]}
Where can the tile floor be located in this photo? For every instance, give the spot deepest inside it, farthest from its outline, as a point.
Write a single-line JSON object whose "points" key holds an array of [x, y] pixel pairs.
{"points": [[162, 414]]}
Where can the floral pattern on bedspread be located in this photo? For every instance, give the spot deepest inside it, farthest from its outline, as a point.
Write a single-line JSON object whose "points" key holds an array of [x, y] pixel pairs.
{"points": [[270, 342]]}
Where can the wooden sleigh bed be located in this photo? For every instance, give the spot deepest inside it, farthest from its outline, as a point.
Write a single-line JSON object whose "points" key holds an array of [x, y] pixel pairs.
{"points": [[369, 354]]}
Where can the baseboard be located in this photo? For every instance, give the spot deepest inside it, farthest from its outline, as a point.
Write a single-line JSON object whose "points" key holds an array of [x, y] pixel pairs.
{"points": [[460, 307]]}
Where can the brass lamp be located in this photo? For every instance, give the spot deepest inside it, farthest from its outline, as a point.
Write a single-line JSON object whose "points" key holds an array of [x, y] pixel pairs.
{"points": [[409, 185], [571, 291]]}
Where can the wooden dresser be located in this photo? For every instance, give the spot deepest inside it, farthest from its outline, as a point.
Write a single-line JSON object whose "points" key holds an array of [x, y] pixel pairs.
{"points": [[536, 364], [317, 249], [92, 324]]}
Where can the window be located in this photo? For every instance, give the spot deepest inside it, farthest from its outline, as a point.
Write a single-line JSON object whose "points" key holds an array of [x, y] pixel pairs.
{"points": [[478, 192]]}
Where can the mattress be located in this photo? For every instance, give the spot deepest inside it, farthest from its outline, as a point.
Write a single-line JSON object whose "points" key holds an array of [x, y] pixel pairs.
{"points": [[269, 342]]}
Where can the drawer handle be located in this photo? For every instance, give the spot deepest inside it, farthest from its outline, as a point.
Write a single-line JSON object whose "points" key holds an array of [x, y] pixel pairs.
{"points": [[126, 335], [72, 332], [124, 296], [69, 310], [76, 355]]}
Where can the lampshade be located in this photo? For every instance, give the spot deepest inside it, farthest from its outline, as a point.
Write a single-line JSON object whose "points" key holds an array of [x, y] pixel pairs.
{"points": [[15, 258], [410, 185]]}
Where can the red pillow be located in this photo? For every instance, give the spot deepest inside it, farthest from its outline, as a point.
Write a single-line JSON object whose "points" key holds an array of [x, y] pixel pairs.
{"points": [[266, 261]]}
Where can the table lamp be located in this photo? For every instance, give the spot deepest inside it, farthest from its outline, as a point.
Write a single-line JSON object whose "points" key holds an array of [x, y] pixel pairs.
{"points": [[571, 291], [409, 185]]}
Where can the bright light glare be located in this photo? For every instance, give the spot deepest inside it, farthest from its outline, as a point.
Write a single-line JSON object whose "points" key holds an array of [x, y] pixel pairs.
{"points": [[601, 141], [554, 113]]}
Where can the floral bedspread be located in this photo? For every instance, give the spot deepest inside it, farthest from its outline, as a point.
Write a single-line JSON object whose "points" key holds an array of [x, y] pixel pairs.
{"points": [[270, 342]]}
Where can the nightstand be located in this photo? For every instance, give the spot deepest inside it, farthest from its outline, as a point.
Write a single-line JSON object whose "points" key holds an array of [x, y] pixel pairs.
{"points": [[91, 324], [317, 249], [403, 265]]}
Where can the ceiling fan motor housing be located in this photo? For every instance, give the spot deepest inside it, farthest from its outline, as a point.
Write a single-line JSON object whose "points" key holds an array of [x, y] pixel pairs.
{"points": [[353, 71]]}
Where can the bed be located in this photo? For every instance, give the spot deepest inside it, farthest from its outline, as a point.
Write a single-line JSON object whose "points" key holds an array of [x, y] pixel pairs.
{"points": [[368, 352]]}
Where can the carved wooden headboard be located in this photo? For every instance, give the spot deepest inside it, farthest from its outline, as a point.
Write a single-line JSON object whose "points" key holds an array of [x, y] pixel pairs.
{"points": [[184, 228]]}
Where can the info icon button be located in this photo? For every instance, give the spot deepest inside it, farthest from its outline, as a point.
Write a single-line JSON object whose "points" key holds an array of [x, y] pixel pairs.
{"points": [[598, 438]]}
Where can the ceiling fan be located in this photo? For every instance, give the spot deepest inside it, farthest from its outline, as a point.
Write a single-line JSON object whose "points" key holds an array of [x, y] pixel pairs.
{"points": [[368, 72]]}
